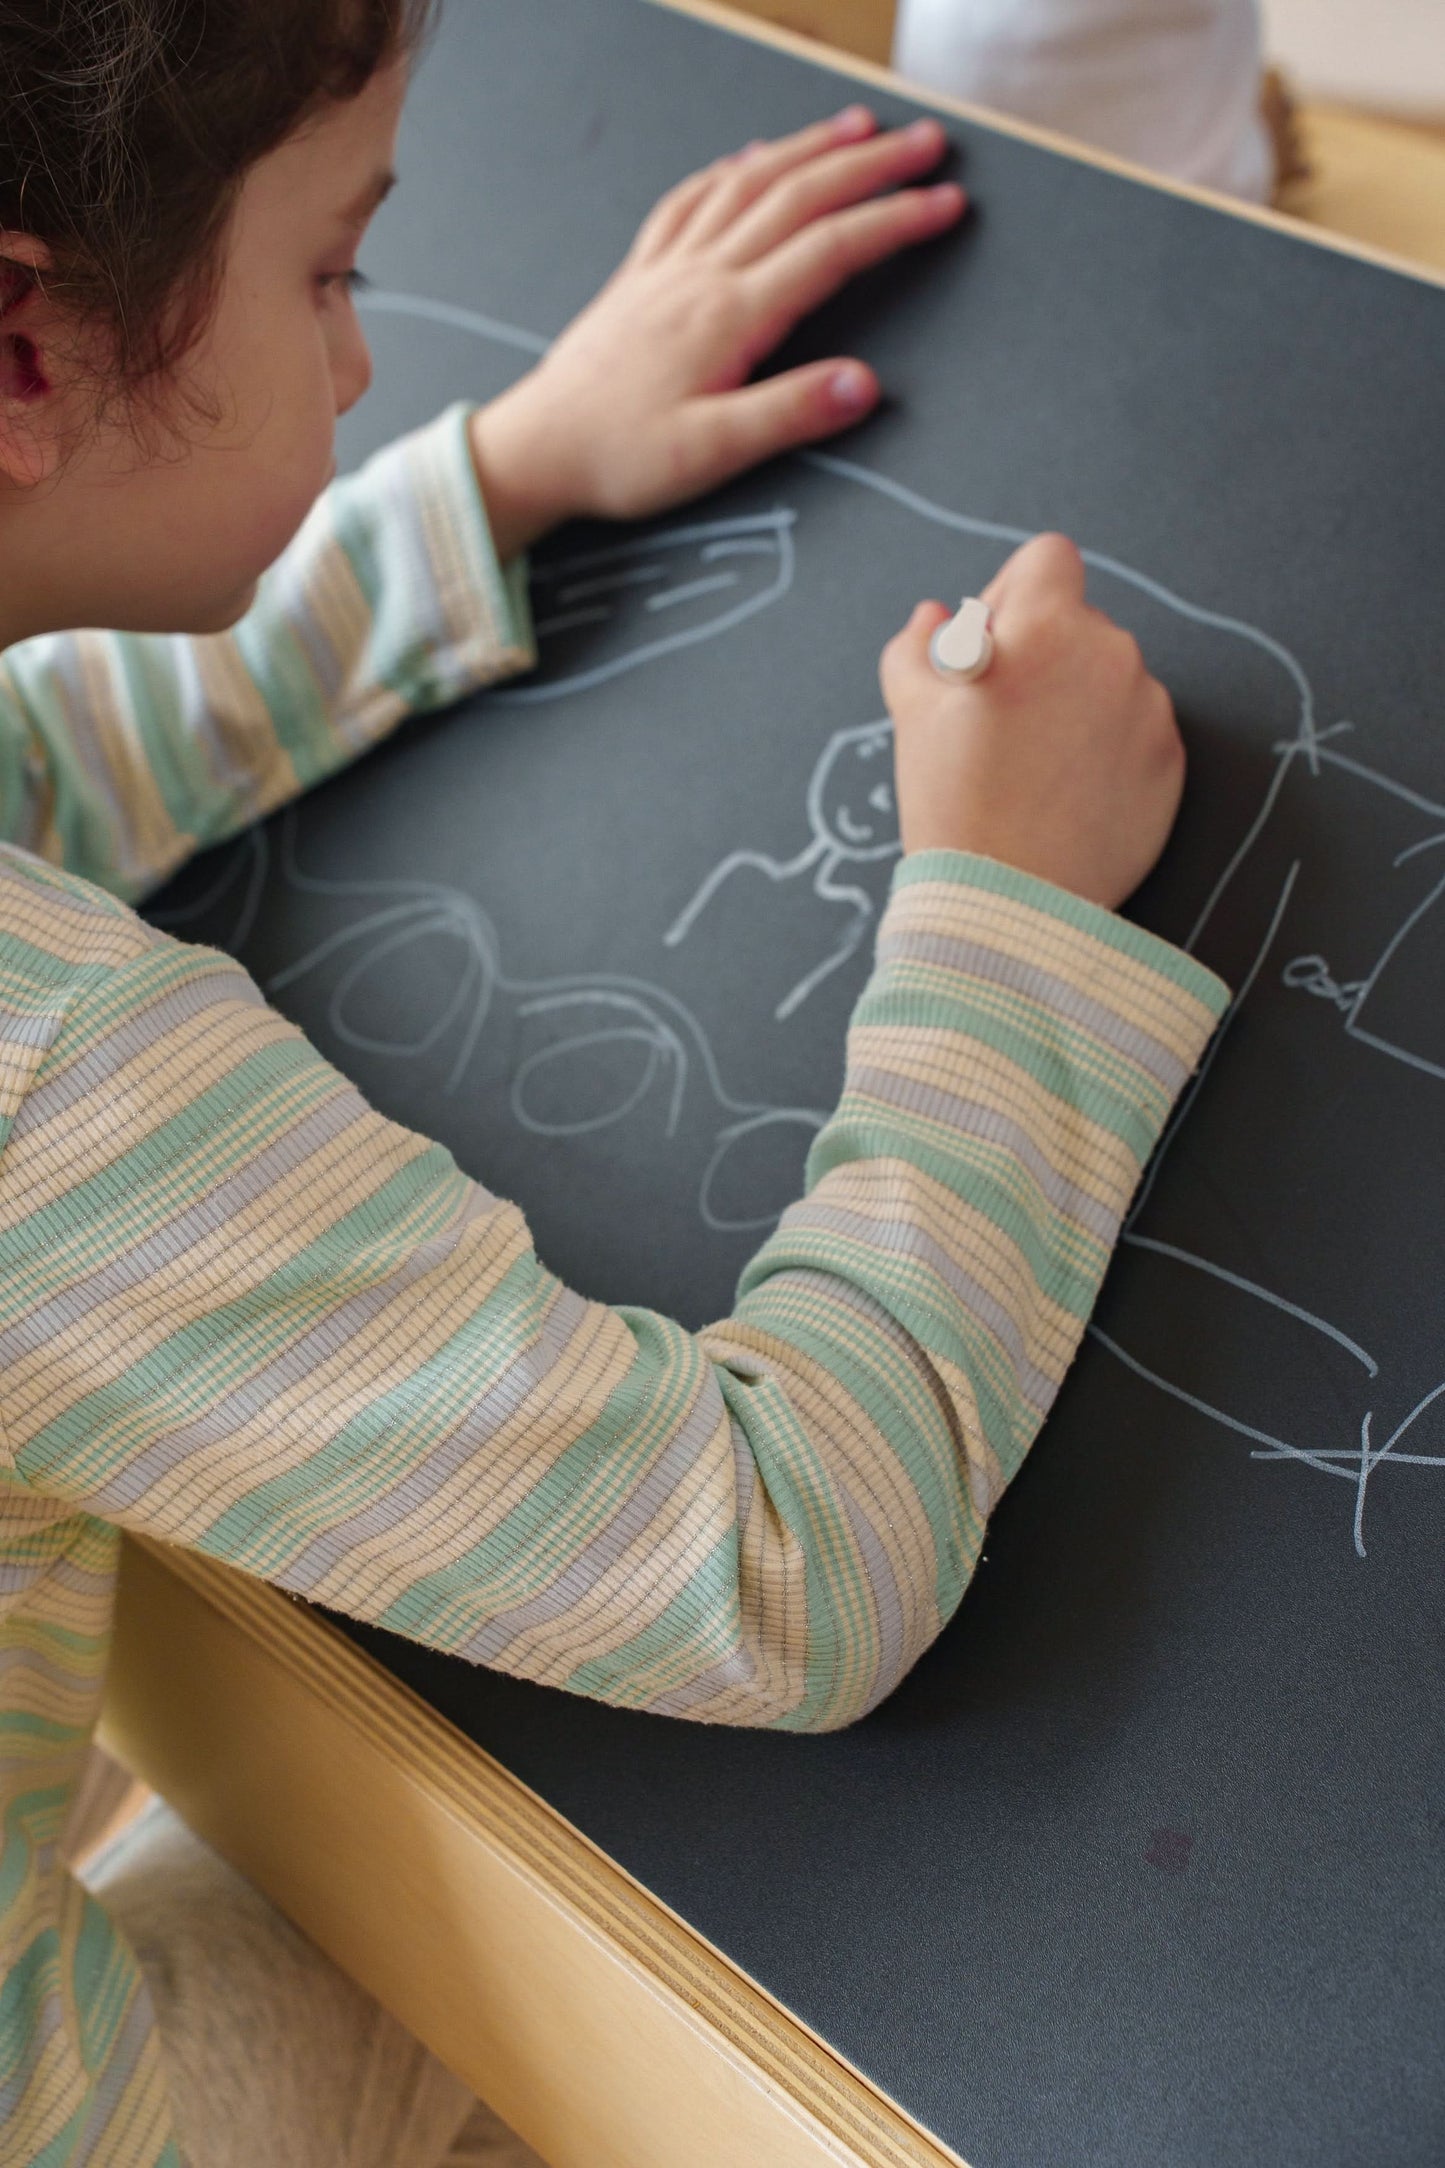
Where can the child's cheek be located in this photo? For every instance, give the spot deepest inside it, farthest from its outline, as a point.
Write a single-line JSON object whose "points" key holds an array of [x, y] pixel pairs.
{"points": [[290, 488]]}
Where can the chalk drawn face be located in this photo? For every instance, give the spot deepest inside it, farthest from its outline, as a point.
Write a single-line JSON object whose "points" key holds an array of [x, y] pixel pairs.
{"points": [[850, 801]]}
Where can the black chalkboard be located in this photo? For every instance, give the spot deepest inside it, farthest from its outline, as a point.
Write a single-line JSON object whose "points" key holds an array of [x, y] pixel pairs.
{"points": [[1144, 1864]]}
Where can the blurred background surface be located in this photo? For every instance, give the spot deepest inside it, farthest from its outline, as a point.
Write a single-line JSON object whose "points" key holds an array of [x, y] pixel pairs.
{"points": [[1387, 56], [1365, 112]]}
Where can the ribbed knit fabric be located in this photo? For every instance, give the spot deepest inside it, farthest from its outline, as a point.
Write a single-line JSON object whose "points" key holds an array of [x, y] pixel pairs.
{"points": [[241, 1311]]}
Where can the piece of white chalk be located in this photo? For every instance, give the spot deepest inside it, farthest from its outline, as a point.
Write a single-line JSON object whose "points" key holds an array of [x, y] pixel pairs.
{"points": [[962, 649]]}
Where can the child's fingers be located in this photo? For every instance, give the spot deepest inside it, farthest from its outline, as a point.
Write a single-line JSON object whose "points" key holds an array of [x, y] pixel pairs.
{"points": [[749, 170], [829, 183], [671, 212], [731, 431], [1043, 576], [904, 667], [808, 270], [741, 179]]}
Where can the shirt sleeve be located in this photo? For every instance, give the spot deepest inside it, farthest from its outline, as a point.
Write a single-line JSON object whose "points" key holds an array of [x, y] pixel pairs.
{"points": [[242, 1312], [122, 754]]}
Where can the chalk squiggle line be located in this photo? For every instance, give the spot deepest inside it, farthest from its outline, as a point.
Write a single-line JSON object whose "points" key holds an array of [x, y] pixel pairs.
{"points": [[376, 299], [255, 854], [675, 1041]]}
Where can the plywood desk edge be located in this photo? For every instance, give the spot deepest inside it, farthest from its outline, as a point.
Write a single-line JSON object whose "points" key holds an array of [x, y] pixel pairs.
{"points": [[607, 2031], [601, 2025]]}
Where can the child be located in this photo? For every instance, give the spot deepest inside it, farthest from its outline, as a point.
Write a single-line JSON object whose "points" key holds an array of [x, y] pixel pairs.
{"points": [[239, 1310]]}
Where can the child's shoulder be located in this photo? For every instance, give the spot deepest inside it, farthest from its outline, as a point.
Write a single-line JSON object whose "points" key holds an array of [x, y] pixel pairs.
{"points": [[78, 968]]}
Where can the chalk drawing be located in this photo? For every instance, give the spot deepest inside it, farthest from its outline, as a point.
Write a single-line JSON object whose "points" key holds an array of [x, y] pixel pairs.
{"points": [[714, 573], [853, 821], [702, 570], [597, 1010]]}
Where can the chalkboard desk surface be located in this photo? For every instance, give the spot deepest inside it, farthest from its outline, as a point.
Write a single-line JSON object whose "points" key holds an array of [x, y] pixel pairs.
{"points": [[601, 2024]]}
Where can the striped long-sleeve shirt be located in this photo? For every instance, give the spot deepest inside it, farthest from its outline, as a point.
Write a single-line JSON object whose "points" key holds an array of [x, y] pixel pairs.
{"points": [[241, 1311]]}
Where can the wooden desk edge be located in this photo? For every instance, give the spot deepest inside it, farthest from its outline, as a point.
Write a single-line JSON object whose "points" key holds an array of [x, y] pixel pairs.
{"points": [[602, 2026], [884, 78]]}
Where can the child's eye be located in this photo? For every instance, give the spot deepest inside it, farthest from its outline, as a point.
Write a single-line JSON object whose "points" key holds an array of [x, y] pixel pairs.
{"points": [[354, 282]]}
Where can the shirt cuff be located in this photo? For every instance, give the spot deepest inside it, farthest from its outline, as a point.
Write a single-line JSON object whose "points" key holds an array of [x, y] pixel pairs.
{"points": [[483, 605], [960, 911]]}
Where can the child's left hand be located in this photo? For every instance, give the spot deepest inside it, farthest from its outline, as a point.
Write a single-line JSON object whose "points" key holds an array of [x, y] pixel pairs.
{"points": [[644, 401]]}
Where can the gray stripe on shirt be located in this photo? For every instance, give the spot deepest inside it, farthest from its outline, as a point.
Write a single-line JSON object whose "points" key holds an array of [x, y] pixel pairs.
{"points": [[424, 1479], [900, 1238], [977, 960], [991, 1126], [586, 1567], [118, 1275], [141, 1028], [232, 1410]]}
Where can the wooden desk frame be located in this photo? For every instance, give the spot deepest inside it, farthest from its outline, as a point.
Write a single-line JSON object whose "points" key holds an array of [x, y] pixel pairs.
{"points": [[597, 2022]]}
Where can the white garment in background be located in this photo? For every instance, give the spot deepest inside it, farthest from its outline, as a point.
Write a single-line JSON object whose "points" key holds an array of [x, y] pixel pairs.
{"points": [[1171, 84]]}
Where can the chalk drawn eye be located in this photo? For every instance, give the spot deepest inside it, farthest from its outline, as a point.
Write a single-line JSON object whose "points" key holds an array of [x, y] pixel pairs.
{"points": [[881, 798]]}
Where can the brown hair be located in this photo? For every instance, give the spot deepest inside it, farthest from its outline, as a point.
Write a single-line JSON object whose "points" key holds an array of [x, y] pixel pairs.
{"points": [[127, 127]]}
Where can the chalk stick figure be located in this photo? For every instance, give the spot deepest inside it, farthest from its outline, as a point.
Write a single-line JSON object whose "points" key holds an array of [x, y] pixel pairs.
{"points": [[851, 812]]}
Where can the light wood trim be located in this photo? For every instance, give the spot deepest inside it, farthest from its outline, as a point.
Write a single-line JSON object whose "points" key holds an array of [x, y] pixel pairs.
{"points": [[593, 2019], [1377, 180], [864, 27], [866, 71]]}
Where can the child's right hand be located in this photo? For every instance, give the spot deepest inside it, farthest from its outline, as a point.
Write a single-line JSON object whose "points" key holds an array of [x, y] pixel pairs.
{"points": [[1064, 759]]}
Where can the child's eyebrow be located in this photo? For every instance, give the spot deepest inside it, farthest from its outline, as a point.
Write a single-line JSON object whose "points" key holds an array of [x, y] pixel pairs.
{"points": [[376, 191]]}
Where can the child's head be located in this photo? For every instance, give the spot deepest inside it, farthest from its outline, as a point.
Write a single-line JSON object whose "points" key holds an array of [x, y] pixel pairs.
{"points": [[183, 185]]}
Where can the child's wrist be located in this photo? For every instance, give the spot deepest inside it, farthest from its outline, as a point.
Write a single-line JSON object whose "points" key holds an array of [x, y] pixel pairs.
{"points": [[521, 471]]}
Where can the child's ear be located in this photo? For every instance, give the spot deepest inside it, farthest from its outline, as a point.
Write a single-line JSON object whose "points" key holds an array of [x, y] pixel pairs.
{"points": [[29, 439]]}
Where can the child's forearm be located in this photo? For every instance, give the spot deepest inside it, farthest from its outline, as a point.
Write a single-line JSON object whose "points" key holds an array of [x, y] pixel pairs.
{"points": [[122, 755]]}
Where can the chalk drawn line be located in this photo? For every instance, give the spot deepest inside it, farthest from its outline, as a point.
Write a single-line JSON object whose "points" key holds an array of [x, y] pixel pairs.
{"points": [[639, 1014], [671, 1038]]}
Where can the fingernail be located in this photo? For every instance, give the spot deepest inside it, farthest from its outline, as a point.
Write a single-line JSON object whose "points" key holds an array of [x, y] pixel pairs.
{"points": [[851, 388], [923, 131], [945, 192], [853, 120]]}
